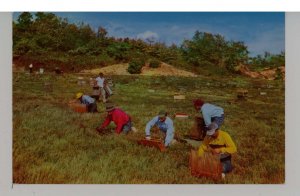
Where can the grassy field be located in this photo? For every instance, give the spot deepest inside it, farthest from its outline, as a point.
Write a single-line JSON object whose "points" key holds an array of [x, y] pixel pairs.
{"points": [[52, 144]]}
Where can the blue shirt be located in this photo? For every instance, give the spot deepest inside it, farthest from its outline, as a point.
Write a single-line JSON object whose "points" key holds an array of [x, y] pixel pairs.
{"points": [[85, 99], [166, 126], [209, 110]]}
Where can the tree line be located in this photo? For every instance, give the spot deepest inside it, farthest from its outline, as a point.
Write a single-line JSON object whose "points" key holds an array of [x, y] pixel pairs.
{"points": [[47, 40]]}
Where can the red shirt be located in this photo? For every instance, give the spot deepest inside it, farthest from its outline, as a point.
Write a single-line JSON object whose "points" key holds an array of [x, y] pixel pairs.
{"points": [[119, 117]]}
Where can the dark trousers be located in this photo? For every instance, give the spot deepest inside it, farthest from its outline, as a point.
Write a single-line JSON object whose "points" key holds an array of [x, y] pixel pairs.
{"points": [[92, 107], [226, 163], [218, 120], [127, 127]]}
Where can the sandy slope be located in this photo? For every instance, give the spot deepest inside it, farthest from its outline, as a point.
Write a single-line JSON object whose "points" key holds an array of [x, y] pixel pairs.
{"points": [[121, 69]]}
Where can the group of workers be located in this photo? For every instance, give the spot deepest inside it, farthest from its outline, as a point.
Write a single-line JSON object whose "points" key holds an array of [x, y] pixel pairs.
{"points": [[216, 141], [90, 101]]}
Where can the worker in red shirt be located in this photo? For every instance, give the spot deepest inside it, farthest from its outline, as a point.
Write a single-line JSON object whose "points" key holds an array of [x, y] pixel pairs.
{"points": [[119, 117]]}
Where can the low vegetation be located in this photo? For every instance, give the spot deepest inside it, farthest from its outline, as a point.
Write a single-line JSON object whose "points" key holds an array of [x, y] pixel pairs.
{"points": [[52, 144], [135, 66]]}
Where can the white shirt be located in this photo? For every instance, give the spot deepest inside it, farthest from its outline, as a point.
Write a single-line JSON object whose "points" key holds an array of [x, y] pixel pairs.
{"points": [[100, 82]]}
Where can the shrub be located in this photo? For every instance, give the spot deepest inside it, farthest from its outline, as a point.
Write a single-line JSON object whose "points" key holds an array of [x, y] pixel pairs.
{"points": [[135, 66], [154, 63]]}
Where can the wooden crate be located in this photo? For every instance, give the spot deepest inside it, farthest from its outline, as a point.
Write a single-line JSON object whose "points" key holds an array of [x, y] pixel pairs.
{"points": [[179, 97], [153, 143], [78, 107], [198, 131], [208, 165], [242, 93], [180, 115]]}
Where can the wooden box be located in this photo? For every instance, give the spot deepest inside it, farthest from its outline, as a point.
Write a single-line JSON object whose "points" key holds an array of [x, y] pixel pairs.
{"points": [[180, 115], [198, 131], [179, 97], [153, 143], [242, 93], [208, 165]]}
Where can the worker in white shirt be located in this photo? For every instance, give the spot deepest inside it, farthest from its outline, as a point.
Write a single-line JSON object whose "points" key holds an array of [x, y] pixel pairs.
{"points": [[100, 83]]}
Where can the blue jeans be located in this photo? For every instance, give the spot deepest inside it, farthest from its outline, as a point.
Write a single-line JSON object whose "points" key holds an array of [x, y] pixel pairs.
{"points": [[226, 165], [218, 120], [127, 127]]}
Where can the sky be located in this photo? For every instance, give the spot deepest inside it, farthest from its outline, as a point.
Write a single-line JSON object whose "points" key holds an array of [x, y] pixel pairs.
{"points": [[260, 31]]}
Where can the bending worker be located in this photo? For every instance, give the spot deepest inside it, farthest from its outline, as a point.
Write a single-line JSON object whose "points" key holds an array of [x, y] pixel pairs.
{"points": [[119, 117], [88, 101], [210, 113], [220, 143], [165, 125]]}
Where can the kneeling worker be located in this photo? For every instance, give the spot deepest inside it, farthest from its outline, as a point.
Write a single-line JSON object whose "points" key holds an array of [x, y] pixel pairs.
{"points": [[220, 143], [119, 117], [88, 101], [165, 125]]}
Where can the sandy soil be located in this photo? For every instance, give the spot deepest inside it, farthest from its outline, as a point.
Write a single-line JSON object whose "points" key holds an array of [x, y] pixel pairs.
{"points": [[121, 69]]}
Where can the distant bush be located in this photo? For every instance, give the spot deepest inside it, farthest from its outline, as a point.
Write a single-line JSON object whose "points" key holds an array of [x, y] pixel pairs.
{"points": [[135, 66], [154, 63]]}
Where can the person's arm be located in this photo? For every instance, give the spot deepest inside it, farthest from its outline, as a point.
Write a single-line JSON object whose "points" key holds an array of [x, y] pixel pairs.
{"points": [[149, 125], [106, 122], [203, 147], [206, 117], [230, 146], [119, 126], [170, 133]]}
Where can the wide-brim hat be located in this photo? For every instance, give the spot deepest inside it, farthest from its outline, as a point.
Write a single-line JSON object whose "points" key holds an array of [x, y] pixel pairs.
{"points": [[109, 107], [162, 113], [212, 129]]}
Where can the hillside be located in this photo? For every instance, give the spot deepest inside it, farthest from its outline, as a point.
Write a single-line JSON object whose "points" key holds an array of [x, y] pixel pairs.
{"points": [[121, 69]]}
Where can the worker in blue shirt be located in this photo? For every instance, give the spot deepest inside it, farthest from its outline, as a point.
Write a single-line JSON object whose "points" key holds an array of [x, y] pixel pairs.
{"points": [[165, 125], [211, 113], [88, 101]]}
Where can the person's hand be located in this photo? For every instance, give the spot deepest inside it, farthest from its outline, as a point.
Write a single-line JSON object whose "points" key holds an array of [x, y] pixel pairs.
{"points": [[216, 151], [100, 130], [148, 138]]}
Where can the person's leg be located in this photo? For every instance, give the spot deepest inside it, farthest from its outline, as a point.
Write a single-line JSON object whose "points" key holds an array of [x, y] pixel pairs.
{"points": [[218, 120], [103, 94], [127, 127], [92, 107], [227, 166]]}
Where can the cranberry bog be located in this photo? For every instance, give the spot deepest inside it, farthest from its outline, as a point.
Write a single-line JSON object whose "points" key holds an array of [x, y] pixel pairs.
{"points": [[52, 144]]}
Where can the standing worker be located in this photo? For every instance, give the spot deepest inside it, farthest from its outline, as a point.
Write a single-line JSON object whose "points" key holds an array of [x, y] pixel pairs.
{"points": [[165, 125], [88, 101], [100, 83], [30, 68], [210, 113], [119, 117], [219, 143]]}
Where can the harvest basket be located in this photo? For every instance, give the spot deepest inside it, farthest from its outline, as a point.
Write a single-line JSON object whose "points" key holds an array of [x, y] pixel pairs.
{"points": [[198, 131], [153, 143], [208, 165], [77, 107]]}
